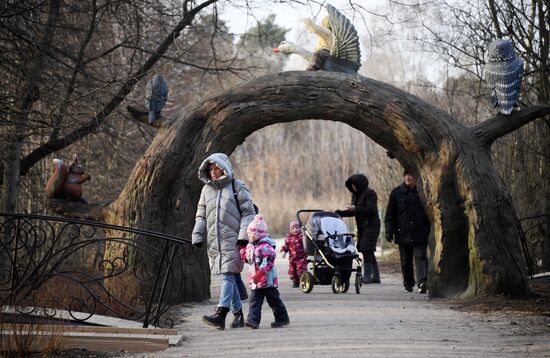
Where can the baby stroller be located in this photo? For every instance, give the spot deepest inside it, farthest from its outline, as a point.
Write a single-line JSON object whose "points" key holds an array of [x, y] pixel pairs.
{"points": [[331, 252]]}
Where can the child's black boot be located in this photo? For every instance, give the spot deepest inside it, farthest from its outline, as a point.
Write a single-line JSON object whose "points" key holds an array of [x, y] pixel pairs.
{"points": [[279, 324], [238, 322], [217, 319]]}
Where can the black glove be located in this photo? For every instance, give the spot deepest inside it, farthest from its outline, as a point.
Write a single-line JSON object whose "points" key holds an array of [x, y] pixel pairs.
{"points": [[198, 244], [242, 243], [389, 237]]}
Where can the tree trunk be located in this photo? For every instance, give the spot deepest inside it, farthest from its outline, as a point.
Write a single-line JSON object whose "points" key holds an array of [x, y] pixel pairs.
{"points": [[475, 248], [154, 196], [26, 98], [11, 180]]}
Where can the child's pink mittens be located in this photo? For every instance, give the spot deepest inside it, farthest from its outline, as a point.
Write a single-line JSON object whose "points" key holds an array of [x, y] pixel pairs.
{"points": [[242, 252], [259, 276]]}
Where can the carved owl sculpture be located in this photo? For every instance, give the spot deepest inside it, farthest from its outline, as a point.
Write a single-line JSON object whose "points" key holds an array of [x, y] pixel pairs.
{"points": [[156, 95], [503, 73]]}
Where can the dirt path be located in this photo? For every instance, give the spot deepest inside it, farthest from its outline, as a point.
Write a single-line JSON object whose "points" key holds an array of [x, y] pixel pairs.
{"points": [[382, 321]]}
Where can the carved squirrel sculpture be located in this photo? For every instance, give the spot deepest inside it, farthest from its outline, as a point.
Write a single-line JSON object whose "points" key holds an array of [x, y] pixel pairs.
{"points": [[66, 182]]}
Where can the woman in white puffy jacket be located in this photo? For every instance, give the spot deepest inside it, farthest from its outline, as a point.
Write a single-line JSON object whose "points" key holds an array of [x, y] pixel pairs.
{"points": [[221, 223]]}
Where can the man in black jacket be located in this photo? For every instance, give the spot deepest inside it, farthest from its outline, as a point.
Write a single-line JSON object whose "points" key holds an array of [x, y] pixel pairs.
{"points": [[407, 223]]}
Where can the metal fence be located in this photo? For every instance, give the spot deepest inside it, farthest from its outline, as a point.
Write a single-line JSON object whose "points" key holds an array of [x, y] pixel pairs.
{"points": [[87, 268]]}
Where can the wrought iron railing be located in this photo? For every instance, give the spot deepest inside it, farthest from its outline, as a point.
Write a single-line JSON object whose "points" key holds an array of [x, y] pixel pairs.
{"points": [[87, 268], [535, 239]]}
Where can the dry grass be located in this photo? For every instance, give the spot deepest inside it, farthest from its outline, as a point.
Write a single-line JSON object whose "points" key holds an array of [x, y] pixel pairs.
{"points": [[22, 339], [389, 262], [27, 338], [538, 304], [281, 211], [63, 294]]}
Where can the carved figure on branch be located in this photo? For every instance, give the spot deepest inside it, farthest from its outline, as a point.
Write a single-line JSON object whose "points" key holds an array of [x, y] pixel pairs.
{"points": [[66, 182], [337, 49], [503, 73], [156, 95]]}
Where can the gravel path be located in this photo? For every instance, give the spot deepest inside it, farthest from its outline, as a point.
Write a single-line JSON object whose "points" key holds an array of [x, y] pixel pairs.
{"points": [[382, 321]]}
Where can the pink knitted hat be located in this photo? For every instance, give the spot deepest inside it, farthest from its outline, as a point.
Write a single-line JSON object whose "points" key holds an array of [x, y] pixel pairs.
{"points": [[258, 227]]}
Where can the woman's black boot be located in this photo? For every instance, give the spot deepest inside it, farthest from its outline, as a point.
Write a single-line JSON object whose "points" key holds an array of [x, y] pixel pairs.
{"points": [[217, 319]]}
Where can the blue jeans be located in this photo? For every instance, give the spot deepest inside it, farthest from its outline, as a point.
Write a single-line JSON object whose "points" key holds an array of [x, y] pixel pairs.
{"points": [[229, 295]]}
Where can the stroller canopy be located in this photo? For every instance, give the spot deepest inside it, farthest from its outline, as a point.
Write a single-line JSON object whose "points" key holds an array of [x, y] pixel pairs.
{"points": [[330, 225]]}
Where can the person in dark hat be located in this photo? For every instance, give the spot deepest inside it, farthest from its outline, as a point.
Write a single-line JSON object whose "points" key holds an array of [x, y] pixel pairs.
{"points": [[364, 207], [408, 225]]}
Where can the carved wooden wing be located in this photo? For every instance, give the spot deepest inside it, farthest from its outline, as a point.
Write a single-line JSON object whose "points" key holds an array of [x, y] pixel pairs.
{"points": [[345, 45]]}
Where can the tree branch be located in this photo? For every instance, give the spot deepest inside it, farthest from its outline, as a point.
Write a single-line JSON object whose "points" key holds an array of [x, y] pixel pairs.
{"points": [[78, 209], [500, 125], [494, 18], [140, 114], [54, 145]]}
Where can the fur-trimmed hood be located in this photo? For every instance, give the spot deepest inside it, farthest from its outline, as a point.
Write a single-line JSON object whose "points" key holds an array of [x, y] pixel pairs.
{"points": [[221, 161]]}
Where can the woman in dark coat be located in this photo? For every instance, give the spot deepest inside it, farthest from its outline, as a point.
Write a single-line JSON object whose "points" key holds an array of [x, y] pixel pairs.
{"points": [[365, 209]]}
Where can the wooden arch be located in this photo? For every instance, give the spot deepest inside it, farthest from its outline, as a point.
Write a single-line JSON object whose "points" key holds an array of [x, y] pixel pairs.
{"points": [[475, 248]]}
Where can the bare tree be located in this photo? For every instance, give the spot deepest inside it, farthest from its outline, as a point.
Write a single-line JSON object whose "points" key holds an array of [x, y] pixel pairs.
{"points": [[459, 33], [85, 59]]}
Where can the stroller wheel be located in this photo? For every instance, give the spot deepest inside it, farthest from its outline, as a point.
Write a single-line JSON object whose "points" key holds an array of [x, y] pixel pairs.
{"points": [[306, 282], [358, 283], [338, 286]]}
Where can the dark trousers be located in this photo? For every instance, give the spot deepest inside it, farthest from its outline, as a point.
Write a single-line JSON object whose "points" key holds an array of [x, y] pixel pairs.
{"points": [[369, 257], [371, 274], [241, 286], [417, 253], [274, 301]]}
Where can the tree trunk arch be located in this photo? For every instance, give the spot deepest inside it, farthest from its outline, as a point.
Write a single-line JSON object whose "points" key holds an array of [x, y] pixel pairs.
{"points": [[474, 249]]}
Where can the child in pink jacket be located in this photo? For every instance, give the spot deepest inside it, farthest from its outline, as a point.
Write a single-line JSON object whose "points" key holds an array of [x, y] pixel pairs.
{"points": [[262, 276], [297, 258]]}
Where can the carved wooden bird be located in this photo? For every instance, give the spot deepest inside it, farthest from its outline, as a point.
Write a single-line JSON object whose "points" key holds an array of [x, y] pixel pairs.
{"points": [[337, 32], [156, 95], [503, 72]]}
